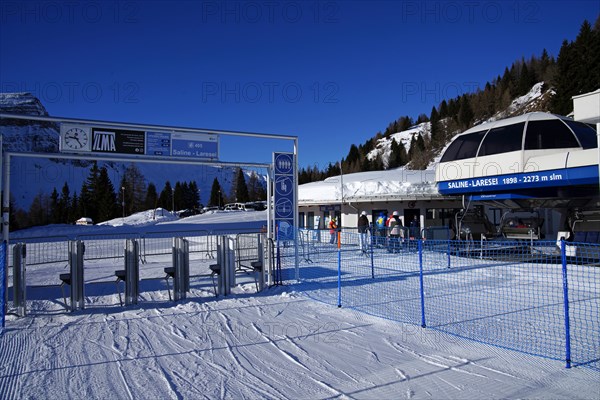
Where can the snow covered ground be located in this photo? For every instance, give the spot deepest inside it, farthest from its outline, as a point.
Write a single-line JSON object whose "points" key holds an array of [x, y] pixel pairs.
{"points": [[274, 344]]}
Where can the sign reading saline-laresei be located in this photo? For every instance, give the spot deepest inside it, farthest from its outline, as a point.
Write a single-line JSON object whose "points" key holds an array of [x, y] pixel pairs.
{"points": [[109, 140], [586, 175]]}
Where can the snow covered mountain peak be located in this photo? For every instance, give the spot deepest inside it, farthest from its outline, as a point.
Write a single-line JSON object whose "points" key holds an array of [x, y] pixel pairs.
{"points": [[21, 103]]}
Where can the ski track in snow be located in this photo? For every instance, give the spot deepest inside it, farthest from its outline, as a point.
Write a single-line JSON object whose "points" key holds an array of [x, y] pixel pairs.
{"points": [[117, 345], [241, 362], [11, 366], [274, 347], [293, 359]]}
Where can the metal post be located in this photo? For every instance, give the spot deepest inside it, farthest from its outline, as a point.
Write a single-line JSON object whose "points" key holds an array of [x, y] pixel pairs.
{"points": [[226, 259], [5, 219], [185, 247], [566, 303], [295, 180], [181, 280], [421, 285], [132, 272], [372, 261], [598, 144], [270, 227], [76, 251], [449, 248], [3, 259], [221, 255], [230, 263], [261, 259], [19, 285], [339, 276]]}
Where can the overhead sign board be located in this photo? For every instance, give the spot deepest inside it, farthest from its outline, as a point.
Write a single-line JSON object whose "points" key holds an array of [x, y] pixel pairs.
{"points": [[587, 175], [194, 145], [117, 141], [158, 144], [109, 140]]}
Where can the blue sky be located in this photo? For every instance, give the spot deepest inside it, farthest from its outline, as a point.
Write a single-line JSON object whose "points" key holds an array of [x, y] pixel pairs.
{"points": [[332, 73]]}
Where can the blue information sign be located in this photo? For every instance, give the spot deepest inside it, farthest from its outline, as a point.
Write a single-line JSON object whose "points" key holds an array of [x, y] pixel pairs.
{"points": [[285, 193], [285, 229], [538, 179], [158, 144], [284, 164], [194, 145]]}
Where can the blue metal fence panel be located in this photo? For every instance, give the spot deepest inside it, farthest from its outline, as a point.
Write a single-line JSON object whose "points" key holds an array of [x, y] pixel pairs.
{"points": [[496, 295], [505, 293], [3, 285]]}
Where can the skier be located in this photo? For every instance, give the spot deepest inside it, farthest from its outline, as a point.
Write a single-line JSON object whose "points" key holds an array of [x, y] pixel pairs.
{"points": [[380, 225], [333, 230], [363, 228], [395, 227]]}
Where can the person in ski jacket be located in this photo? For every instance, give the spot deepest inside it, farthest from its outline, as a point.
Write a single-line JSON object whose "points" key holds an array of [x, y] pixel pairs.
{"points": [[363, 228], [394, 229], [333, 228], [380, 226]]}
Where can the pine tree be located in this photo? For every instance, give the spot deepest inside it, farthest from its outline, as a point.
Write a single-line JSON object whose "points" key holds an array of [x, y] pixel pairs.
{"points": [[165, 200], [106, 199], [18, 218], [151, 200], [420, 143], [422, 118], [194, 195], [88, 193], [216, 195], [443, 109], [526, 81], [353, 155], [178, 196], [393, 161], [38, 211], [75, 211], [241, 189], [413, 147], [465, 113], [434, 120], [253, 185], [565, 79], [64, 204], [54, 207], [135, 189]]}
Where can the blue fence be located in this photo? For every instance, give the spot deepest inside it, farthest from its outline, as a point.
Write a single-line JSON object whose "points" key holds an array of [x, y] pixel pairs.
{"points": [[540, 298], [2, 285]]}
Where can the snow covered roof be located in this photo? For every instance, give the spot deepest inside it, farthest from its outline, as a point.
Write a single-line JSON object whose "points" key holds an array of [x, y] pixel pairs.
{"points": [[532, 116], [395, 184]]}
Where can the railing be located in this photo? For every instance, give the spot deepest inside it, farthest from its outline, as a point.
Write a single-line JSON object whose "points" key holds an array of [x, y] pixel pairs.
{"points": [[539, 298], [47, 257]]}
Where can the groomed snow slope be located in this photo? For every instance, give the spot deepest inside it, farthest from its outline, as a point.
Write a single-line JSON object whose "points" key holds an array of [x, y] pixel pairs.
{"points": [[276, 344]]}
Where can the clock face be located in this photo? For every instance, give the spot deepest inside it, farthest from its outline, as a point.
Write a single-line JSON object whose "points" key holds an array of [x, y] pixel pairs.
{"points": [[76, 139]]}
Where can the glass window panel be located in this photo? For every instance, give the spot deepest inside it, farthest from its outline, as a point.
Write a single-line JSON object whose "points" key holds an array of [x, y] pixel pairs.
{"points": [[503, 139], [549, 134]]}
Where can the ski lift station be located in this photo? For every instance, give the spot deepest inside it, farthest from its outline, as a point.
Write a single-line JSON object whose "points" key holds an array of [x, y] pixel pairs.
{"points": [[528, 177]]}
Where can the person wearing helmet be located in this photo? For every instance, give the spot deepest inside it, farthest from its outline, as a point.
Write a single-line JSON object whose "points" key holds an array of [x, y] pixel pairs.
{"points": [[380, 225], [363, 228], [394, 228]]}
